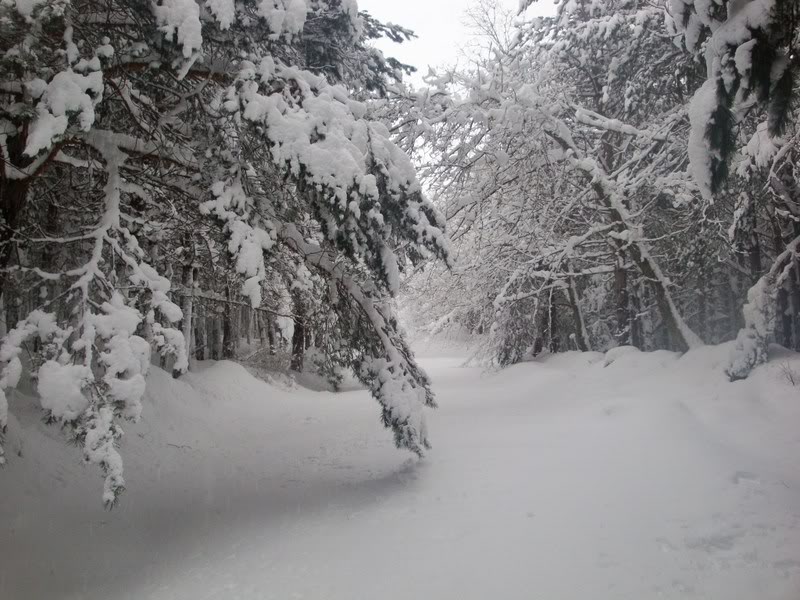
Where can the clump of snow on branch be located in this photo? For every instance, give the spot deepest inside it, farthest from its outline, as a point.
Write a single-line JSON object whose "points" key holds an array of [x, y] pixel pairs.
{"points": [[179, 21], [752, 341], [38, 323], [701, 117], [246, 242], [402, 403], [759, 151], [68, 95], [61, 389], [284, 16]]}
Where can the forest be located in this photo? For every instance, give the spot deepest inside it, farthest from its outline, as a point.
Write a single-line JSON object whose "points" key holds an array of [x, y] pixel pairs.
{"points": [[191, 185]]}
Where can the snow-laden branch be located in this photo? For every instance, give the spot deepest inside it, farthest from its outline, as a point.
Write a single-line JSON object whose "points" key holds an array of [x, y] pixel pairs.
{"points": [[395, 380], [753, 340]]}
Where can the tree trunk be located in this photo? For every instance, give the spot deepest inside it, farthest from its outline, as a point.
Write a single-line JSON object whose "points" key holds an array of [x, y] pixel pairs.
{"points": [[216, 336], [581, 335], [622, 314], [187, 307], [702, 310], [228, 347], [298, 336], [795, 282], [637, 333], [784, 335], [552, 324], [200, 336], [298, 345], [273, 342], [782, 308], [13, 197], [259, 324], [247, 323]]}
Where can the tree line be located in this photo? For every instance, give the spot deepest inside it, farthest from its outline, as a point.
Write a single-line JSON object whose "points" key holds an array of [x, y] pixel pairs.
{"points": [[623, 173]]}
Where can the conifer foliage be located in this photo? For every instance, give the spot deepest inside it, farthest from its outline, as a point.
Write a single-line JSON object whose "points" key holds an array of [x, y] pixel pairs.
{"points": [[159, 157]]}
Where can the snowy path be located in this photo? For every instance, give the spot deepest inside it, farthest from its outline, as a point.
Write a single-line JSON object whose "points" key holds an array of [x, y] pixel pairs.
{"points": [[648, 478]]}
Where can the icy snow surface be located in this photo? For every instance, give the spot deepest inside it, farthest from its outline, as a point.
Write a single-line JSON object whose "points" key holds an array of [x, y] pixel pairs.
{"points": [[647, 477]]}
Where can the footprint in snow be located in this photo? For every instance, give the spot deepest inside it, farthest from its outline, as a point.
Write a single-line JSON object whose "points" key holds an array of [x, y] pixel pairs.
{"points": [[787, 566], [740, 477], [665, 545], [717, 542]]}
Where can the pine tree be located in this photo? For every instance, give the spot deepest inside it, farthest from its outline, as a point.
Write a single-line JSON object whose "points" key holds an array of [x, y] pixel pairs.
{"points": [[750, 56], [179, 142], [752, 65]]}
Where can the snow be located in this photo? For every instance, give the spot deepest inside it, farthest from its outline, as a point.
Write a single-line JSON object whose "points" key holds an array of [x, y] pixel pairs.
{"points": [[318, 134], [744, 18], [389, 261], [284, 16], [26, 7], [61, 389], [760, 150], [652, 477], [37, 323], [246, 243], [224, 11], [701, 111], [68, 93], [179, 21]]}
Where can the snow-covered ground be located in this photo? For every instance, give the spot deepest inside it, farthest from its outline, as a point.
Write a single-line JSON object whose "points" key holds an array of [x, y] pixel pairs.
{"points": [[627, 476]]}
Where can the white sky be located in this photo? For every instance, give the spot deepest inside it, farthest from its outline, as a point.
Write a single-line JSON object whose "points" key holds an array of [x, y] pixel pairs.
{"points": [[439, 25]]}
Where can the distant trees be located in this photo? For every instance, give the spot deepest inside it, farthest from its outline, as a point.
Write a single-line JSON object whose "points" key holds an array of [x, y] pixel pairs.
{"points": [[583, 166], [177, 174]]}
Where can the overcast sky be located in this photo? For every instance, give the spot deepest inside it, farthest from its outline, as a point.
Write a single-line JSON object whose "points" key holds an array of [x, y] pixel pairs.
{"points": [[439, 25]]}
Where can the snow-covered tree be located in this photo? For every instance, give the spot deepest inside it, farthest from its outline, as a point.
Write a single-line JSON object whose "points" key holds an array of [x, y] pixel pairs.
{"points": [[550, 156], [148, 146], [745, 112], [563, 156]]}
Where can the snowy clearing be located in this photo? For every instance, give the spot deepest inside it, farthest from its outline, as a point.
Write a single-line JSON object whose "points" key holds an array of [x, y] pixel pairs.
{"points": [[577, 476]]}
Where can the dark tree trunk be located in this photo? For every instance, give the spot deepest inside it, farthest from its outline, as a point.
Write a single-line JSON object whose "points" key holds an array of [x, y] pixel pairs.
{"points": [[622, 315], [273, 342], [552, 326], [228, 329], [637, 335], [200, 333], [13, 196], [187, 307], [795, 279], [228, 347], [216, 337], [702, 311], [782, 309], [298, 344], [247, 324]]}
